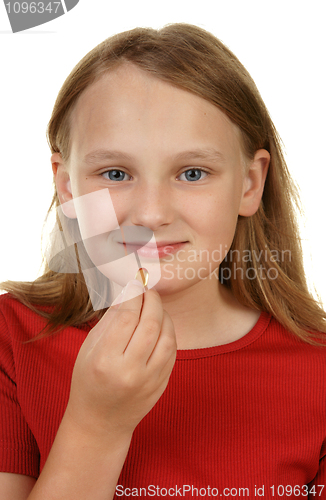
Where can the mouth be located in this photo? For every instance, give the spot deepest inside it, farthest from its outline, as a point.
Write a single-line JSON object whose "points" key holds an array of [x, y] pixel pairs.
{"points": [[153, 250]]}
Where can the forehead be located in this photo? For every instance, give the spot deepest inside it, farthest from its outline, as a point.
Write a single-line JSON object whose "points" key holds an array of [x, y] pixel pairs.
{"points": [[127, 107]]}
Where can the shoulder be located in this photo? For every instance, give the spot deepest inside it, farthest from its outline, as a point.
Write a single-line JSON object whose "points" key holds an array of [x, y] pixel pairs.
{"points": [[281, 332], [17, 320], [10, 310], [284, 344], [9, 304]]}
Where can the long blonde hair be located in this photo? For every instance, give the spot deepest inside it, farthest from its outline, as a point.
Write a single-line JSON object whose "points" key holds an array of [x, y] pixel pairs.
{"points": [[194, 60]]}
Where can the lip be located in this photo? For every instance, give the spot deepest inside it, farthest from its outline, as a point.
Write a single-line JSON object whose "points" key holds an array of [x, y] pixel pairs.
{"points": [[153, 245], [159, 250]]}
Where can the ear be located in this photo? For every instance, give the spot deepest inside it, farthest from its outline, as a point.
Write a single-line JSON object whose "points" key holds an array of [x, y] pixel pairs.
{"points": [[63, 185], [253, 183]]}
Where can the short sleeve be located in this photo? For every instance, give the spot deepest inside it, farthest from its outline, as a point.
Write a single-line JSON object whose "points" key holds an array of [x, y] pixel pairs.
{"points": [[317, 487], [18, 448]]}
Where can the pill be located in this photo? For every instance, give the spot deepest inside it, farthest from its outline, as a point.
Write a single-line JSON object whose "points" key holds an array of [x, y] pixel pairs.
{"points": [[142, 276]]}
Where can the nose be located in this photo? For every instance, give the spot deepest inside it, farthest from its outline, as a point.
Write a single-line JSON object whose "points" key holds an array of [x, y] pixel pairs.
{"points": [[152, 205]]}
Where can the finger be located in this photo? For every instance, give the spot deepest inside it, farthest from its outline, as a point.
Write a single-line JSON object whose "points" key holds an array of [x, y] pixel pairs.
{"points": [[96, 332], [164, 354], [122, 322], [143, 341]]}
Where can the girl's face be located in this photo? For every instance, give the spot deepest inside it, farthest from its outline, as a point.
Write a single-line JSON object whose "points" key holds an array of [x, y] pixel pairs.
{"points": [[172, 163]]}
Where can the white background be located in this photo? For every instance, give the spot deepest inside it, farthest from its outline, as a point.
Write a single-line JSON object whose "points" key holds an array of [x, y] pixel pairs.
{"points": [[281, 42]]}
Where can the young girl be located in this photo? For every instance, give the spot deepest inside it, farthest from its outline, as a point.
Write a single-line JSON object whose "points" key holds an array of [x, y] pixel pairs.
{"points": [[212, 381]]}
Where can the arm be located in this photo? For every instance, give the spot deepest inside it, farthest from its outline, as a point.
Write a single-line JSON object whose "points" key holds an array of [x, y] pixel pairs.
{"points": [[122, 369], [78, 467], [15, 486], [317, 487], [81, 466]]}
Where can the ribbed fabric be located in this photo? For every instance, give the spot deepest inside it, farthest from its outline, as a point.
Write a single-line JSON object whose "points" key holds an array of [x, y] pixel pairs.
{"points": [[249, 414]]}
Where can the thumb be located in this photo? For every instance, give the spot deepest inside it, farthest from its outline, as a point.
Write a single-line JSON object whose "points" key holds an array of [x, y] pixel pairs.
{"points": [[130, 293], [132, 300]]}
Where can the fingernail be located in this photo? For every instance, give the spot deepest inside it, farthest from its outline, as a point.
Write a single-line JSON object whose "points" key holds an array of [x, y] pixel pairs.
{"points": [[128, 290], [132, 283], [132, 290]]}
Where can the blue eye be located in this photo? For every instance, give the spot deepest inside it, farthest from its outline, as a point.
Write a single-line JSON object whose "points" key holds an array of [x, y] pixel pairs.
{"points": [[192, 174], [115, 175], [195, 174]]}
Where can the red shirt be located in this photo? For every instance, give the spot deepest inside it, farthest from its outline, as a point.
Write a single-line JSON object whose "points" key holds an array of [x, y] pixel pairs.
{"points": [[250, 414]]}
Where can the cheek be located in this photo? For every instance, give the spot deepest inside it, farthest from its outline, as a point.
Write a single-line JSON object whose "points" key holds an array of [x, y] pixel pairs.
{"points": [[213, 213], [95, 213], [123, 206]]}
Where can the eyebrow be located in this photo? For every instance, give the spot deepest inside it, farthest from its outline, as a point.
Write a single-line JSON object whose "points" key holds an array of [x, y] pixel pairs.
{"points": [[208, 154], [103, 154]]}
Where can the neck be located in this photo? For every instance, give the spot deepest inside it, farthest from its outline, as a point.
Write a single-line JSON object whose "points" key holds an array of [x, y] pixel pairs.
{"points": [[207, 314]]}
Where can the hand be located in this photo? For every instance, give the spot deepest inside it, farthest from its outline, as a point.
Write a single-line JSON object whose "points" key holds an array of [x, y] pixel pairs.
{"points": [[124, 365]]}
